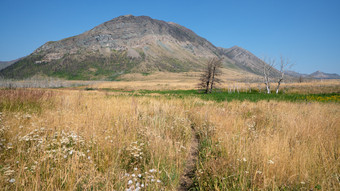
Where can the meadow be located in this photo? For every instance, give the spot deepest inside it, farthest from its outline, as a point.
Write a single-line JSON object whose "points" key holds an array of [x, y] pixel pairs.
{"points": [[125, 138]]}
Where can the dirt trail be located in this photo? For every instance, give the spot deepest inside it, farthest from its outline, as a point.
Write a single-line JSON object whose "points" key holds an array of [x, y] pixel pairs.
{"points": [[186, 181]]}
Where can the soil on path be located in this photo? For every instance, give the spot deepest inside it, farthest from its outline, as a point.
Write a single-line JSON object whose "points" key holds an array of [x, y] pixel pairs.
{"points": [[188, 175]]}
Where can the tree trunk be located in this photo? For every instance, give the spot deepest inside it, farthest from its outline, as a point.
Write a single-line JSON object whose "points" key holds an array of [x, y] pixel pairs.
{"points": [[278, 86], [268, 88], [212, 79], [207, 87]]}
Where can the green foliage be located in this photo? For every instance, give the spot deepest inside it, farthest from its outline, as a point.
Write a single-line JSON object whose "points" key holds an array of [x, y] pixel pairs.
{"points": [[221, 95], [146, 73]]}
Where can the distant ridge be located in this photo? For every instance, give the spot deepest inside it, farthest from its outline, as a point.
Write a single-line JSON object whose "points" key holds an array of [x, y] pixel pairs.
{"points": [[4, 64], [322, 75], [316, 75]]}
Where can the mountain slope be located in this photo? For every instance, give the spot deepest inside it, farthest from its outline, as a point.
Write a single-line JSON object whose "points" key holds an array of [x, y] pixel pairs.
{"points": [[295, 74], [245, 60], [128, 44]]}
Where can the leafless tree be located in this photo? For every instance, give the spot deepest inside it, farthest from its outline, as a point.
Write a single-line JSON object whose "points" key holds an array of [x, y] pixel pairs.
{"points": [[284, 63], [268, 67], [300, 79], [210, 76]]}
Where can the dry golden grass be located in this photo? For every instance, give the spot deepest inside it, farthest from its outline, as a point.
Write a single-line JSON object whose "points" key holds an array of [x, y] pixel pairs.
{"points": [[271, 145], [79, 140], [91, 141], [232, 82], [166, 80]]}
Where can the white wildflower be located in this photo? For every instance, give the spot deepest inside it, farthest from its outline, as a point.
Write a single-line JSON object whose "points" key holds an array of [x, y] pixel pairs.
{"points": [[130, 182], [244, 159], [12, 180]]}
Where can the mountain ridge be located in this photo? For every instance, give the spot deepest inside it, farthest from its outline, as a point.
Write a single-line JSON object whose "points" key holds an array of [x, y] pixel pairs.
{"points": [[129, 44], [125, 44]]}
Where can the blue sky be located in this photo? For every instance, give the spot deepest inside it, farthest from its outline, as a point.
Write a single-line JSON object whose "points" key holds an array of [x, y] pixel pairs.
{"points": [[305, 31]]}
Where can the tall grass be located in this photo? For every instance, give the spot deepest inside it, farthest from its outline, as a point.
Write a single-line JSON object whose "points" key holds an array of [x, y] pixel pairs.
{"points": [[89, 140], [269, 146], [29, 100]]}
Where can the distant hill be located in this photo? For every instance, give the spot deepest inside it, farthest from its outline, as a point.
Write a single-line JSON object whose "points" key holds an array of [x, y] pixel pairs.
{"points": [[128, 44], [315, 75], [4, 64], [322, 75]]}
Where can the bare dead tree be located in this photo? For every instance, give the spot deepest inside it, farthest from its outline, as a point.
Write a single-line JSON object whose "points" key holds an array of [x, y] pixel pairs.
{"points": [[284, 63], [216, 72], [209, 77], [300, 79], [268, 67]]}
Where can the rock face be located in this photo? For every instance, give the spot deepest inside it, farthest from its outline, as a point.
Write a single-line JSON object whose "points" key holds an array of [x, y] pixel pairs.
{"points": [[128, 44]]}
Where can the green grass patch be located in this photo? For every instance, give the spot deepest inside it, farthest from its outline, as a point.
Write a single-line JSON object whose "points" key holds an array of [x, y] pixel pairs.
{"points": [[222, 95]]}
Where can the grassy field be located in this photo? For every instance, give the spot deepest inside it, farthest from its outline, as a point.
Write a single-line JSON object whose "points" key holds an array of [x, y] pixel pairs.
{"points": [[111, 139]]}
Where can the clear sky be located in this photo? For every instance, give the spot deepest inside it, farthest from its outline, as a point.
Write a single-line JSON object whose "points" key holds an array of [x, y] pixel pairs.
{"points": [[305, 31]]}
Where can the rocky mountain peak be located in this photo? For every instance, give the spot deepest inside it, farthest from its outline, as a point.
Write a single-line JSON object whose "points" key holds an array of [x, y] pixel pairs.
{"points": [[128, 44]]}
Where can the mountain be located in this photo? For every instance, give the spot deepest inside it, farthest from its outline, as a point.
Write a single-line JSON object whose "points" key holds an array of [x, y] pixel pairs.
{"points": [[128, 44], [322, 75]]}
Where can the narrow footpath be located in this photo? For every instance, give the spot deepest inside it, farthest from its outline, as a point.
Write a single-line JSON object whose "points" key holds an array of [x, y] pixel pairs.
{"points": [[188, 175]]}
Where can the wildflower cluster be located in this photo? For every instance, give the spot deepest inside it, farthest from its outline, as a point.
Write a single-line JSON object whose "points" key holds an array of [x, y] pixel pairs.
{"points": [[142, 180], [136, 153], [60, 144]]}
